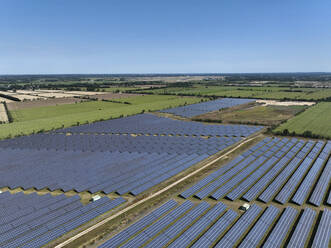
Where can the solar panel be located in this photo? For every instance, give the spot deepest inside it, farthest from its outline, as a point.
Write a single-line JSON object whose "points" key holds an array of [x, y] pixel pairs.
{"points": [[238, 229], [197, 228], [302, 229], [296, 178], [255, 235], [47, 217], [321, 186], [212, 234], [323, 233], [157, 226], [282, 227]]}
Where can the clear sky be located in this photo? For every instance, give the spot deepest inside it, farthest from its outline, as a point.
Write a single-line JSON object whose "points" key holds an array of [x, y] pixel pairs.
{"points": [[169, 36]]}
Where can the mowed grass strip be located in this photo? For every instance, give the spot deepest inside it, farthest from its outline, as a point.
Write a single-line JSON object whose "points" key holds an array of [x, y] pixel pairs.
{"points": [[316, 120], [32, 120]]}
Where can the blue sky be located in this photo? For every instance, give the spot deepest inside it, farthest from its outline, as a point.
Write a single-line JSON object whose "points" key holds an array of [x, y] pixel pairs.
{"points": [[121, 36]]}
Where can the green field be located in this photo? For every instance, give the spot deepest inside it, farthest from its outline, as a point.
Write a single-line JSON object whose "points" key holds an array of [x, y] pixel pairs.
{"points": [[263, 92], [253, 114], [316, 120], [27, 121]]}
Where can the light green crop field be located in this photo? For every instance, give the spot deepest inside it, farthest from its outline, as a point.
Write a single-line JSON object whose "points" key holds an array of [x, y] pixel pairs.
{"points": [[118, 89], [263, 92], [316, 119], [30, 120]]}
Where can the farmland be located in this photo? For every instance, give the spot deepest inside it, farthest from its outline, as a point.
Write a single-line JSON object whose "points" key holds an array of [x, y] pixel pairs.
{"points": [[30, 120], [260, 92], [253, 114], [316, 120]]}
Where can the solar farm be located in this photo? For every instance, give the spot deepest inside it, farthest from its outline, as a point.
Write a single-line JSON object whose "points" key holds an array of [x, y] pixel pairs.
{"points": [[161, 181], [202, 108], [286, 182]]}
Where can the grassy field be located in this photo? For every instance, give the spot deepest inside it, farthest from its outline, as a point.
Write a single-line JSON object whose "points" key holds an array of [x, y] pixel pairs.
{"points": [[253, 113], [118, 89], [27, 121], [316, 120], [263, 92]]}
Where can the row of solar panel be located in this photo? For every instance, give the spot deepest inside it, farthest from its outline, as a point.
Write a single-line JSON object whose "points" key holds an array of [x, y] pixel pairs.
{"points": [[35, 220], [286, 168], [151, 124], [122, 143], [203, 225], [121, 172], [206, 189], [205, 107]]}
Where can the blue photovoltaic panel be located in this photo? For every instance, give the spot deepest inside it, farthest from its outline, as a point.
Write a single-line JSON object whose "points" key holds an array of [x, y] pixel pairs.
{"points": [[198, 227], [253, 192], [176, 228], [302, 229], [277, 182], [190, 191], [205, 107], [323, 233], [157, 226], [255, 235], [232, 172], [238, 229], [283, 225], [299, 173], [322, 186], [211, 236], [121, 163], [152, 124], [139, 225], [37, 220], [221, 192], [252, 178], [307, 183]]}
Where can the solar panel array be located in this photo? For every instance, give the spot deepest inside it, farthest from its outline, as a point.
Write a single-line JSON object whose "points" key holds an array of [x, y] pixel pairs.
{"points": [[152, 124], [122, 162], [204, 225], [35, 220], [280, 169], [122, 172], [121, 143], [205, 107]]}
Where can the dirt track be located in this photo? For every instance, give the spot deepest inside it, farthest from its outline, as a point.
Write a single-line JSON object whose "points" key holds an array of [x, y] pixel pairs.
{"points": [[3, 114]]}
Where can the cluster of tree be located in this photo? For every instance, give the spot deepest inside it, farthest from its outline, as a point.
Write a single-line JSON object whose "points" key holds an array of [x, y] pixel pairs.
{"points": [[305, 134]]}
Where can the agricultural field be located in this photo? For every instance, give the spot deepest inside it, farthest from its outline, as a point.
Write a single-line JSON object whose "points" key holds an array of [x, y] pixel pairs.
{"points": [[253, 113], [260, 92], [31, 95], [315, 120], [30, 120], [13, 105]]}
